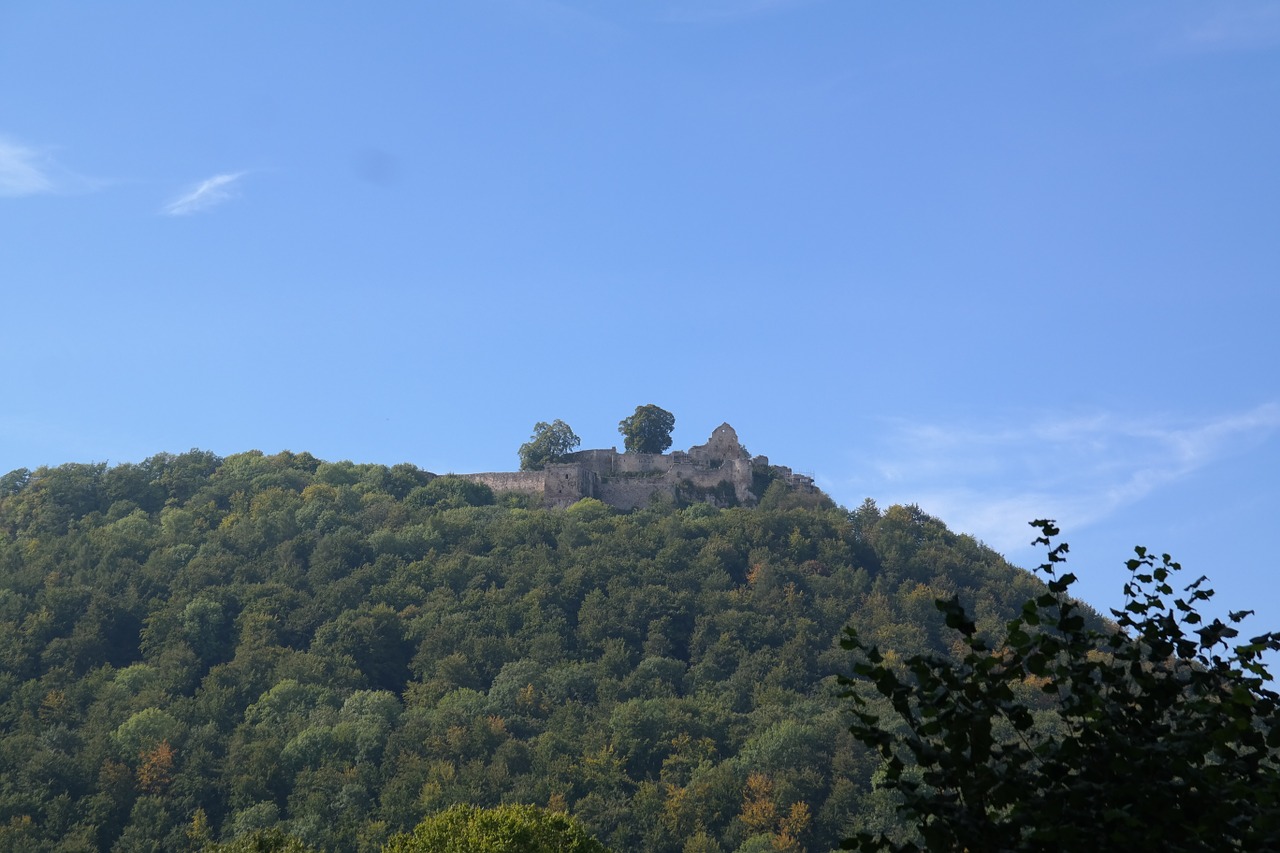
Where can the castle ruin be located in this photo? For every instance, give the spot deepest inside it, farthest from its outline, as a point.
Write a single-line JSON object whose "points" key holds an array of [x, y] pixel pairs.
{"points": [[720, 472]]}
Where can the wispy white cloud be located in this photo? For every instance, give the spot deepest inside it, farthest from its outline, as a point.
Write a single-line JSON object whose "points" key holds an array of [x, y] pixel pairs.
{"points": [[25, 170], [990, 481], [1229, 27], [208, 193]]}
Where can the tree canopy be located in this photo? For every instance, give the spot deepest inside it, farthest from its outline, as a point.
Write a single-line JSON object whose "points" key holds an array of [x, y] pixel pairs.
{"points": [[1154, 733], [279, 652], [647, 430], [549, 443], [501, 829]]}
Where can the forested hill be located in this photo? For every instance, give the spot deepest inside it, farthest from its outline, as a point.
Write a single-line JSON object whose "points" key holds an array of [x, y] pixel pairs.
{"points": [[193, 647]]}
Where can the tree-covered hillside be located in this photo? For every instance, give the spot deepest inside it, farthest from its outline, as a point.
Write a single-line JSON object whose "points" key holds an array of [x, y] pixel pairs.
{"points": [[193, 648]]}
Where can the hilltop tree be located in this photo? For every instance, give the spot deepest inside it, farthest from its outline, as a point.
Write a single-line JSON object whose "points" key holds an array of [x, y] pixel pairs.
{"points": [[648, 430], [1154, 734], [550, 442]]}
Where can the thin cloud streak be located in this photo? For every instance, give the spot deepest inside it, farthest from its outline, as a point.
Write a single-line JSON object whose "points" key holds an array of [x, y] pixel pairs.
{"points": [[24, 171], [208, 193], [1238, 27], [1253, 29], [991, 481]]}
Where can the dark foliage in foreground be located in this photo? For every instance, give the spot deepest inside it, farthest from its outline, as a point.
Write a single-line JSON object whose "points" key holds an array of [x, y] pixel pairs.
{"points": [[1156, 734]]}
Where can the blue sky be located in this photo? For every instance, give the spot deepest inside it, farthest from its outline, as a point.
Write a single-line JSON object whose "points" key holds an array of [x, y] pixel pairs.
{"points": [[1001, 260]]}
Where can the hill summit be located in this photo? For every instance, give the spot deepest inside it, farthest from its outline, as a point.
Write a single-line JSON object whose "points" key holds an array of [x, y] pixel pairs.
{"points": [[720, 472], [197, 649]]}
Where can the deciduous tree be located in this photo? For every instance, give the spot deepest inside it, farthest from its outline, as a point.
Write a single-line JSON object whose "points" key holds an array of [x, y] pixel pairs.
{"points": [[502, 829], [648, 430], [549, 443], [1159, 734]]}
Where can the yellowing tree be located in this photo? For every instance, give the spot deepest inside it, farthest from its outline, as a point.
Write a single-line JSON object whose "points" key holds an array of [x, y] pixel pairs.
{"points": [[502, 829]]}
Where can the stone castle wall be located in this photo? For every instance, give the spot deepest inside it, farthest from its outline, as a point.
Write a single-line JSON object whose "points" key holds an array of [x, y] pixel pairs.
{"points": [[566, 484], [530, 482], [630, 480], [608, 463], [627, 494]]}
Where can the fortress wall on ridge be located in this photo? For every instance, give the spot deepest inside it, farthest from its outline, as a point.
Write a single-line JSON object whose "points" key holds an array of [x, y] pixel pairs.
{"points": [[630, 480]]}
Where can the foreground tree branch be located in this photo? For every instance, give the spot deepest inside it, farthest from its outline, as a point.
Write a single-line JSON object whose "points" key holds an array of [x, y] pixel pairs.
{"points": [[1155, 733]]}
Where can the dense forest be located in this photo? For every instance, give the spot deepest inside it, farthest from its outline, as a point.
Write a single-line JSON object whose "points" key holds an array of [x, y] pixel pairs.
{"points": [[194, 648]]}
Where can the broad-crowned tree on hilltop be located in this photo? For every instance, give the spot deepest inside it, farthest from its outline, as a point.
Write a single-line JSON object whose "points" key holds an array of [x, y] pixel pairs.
{"points": [[550, 442], [648, 430]]}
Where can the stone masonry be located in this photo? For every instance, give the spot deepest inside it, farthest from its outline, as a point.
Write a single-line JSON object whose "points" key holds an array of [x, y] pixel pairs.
{"points": [[708, 472]]}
